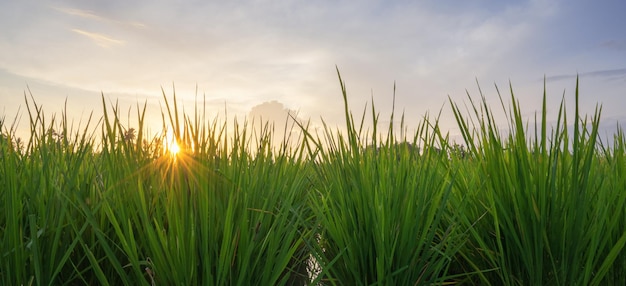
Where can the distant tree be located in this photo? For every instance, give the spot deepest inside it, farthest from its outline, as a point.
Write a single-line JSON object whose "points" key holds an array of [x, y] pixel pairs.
{"points": [[458, 151], [12, 143], [454, 151]]}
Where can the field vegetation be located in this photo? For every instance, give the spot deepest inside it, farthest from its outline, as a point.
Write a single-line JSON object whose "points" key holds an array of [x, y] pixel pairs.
{"points": [[104, 203]]}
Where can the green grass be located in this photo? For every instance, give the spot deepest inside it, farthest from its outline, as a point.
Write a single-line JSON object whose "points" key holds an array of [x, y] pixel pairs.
{"points": [[103, 203], [548, 209]]}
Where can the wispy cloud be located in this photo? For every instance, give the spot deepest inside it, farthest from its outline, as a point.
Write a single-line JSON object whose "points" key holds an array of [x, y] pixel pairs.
{"points": [[80, 13], [100, 39], [611, 74], [614, 45], [91, 15]]}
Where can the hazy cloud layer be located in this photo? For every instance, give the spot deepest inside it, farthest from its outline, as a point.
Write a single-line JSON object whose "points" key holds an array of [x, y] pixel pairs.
{"points": [[246, 53]]}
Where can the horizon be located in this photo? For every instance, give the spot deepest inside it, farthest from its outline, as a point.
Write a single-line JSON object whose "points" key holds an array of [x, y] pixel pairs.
{"points": [[264, 59]]}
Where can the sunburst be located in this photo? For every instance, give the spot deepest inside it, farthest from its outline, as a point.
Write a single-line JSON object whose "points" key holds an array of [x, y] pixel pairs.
{"points": [[171, 144]]}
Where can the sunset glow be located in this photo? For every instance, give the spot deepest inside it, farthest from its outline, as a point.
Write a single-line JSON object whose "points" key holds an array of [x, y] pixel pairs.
{"points": [[386, 142]]}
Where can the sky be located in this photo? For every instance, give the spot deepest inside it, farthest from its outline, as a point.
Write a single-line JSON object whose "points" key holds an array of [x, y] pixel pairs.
{"points": [[264, 58]]}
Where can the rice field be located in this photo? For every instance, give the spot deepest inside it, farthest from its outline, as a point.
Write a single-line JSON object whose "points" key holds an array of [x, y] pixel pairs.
{"points": [[106, 204]]}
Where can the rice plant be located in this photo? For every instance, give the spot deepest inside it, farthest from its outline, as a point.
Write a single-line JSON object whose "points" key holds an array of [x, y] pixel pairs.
{"points": [[381, 209], [548, 209], [128, 213], [212, 202]]}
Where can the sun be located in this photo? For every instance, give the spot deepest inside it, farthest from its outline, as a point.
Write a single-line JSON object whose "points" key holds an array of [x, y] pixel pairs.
{"points": [[171, 146], [174, 148]]}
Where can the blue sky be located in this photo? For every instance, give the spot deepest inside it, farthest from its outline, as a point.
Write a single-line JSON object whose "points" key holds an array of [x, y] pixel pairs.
{"points": [[264, 57]]}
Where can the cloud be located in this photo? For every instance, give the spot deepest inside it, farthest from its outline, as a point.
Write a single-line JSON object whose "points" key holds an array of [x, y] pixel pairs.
{"points": [[93, 16], [610, 74], [614, 45], [280, 120], [273, 112], [246, 52], [80, 13], [100, 39]]}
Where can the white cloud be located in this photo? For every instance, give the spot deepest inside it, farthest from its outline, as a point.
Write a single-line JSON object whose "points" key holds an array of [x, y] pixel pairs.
{"points": [[100, 39], [92, 15]]}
